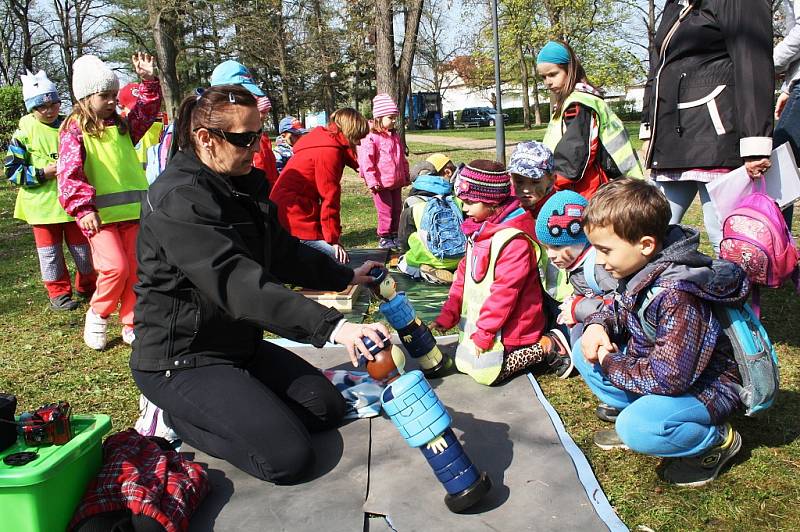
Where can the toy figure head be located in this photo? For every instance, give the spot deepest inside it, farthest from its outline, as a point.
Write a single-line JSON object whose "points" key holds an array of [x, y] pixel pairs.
{"points": [[384, 287]]}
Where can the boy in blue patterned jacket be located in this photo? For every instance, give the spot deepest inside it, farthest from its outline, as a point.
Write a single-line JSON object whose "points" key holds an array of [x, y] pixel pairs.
{"points": [[675, 393]]}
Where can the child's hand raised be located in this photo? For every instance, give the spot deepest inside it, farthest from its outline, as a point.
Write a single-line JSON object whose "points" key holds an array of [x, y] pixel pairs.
{"points": [[144, 65]]}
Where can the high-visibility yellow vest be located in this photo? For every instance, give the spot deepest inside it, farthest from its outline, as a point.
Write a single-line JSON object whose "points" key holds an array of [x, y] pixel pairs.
{"points": [[151, 137], [39, 205], [486, 367], [116, 174], [612, 133]]}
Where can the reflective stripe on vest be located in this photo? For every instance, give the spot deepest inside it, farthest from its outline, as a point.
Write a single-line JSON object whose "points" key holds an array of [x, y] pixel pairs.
{"points": [[39, 205], [116, 174], [484, 368], [612, 133]]}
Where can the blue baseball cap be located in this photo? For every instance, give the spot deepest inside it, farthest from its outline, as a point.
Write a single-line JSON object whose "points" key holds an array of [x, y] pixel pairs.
{"points": [[290, 124], [234, 73]]}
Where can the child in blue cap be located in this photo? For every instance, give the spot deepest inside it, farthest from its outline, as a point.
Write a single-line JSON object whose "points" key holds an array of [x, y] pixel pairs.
{"points": [[289, 132], [589, 141], [559, 228]]}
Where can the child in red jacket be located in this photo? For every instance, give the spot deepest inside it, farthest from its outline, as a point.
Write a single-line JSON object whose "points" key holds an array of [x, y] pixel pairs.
{"points": [[496, 293]]}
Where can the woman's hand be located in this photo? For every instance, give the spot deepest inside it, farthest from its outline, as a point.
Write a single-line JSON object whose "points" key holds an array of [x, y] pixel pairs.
{"points": [[756, 167], [361, 274], [350, 336], [340, 254], [144, 65], [781, 104], [90, 223]]}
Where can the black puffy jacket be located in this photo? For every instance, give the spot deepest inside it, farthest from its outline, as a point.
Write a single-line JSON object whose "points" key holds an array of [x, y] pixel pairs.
{"points": [[709, 96], [212, 262]]}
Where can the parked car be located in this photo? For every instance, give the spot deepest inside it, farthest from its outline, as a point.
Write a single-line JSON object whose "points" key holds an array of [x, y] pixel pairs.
{"points": [[480, 116]]}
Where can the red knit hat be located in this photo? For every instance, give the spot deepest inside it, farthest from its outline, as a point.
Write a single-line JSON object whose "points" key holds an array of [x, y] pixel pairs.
{"points": [[127, 96], [485, 181]]}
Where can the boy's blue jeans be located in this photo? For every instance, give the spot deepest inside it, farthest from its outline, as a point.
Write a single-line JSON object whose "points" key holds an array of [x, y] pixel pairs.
{"points": [[658, 425]]}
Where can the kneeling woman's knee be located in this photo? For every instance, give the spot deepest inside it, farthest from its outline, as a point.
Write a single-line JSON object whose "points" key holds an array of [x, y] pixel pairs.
{"points": [[292, 464]]}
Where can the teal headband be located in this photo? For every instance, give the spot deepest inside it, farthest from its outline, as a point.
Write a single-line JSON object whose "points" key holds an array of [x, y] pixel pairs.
{"points": [[555, 53]]}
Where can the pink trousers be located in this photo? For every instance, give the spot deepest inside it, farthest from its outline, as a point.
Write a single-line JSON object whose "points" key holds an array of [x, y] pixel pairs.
{"points": [[114, 257], [389, 204]]}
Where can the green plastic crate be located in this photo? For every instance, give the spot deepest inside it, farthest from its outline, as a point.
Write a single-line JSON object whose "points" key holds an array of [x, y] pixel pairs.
{"points": [[42, 495]]}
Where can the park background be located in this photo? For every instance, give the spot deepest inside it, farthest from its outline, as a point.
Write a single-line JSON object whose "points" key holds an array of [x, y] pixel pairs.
{"points": [[313, 56]]}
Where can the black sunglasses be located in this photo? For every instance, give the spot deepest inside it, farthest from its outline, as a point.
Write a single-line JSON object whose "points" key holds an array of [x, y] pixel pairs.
{"points": [[241, 140]]}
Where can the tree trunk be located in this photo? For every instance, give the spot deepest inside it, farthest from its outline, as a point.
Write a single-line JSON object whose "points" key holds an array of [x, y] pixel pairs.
{"points": [[21, 10], [164, 23], [392, 78], [282, 63], [523, 77], [537, 113]]}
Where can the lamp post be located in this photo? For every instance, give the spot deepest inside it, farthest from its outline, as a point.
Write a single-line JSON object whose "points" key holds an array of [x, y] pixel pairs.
{"points": [[500, 132]]}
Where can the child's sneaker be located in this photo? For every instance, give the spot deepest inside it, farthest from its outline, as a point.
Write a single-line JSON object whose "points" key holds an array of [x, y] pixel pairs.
{"points": [[94, 330], [386, 243], [435, 275], [63, 302], [128, 335], [151, 423], [606, 413], [696, 471], [559, 356], [608, 439]]}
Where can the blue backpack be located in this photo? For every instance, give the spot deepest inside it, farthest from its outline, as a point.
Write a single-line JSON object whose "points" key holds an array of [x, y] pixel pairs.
{"points": [[752, 349], [440, 228]]}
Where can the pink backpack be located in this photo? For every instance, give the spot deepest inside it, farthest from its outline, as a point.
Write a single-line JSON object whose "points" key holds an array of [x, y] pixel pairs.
{"points": [[755, 237]]}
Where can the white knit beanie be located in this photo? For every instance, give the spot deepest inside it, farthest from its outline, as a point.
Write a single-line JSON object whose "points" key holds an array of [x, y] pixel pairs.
{"points": [[90, 76]]}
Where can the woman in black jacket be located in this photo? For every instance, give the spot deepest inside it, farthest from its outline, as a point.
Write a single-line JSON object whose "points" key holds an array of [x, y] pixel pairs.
{"points": [[708, 99], [213, 261]]}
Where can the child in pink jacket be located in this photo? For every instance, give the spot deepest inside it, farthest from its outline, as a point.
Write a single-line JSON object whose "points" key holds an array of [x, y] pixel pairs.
{"points": [[383, 166]]}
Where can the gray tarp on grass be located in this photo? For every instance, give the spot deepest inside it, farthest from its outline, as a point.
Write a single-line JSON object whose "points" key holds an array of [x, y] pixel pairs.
{"points": [[504, 429]]}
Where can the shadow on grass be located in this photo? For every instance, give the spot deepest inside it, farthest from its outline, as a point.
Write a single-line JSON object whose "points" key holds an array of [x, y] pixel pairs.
{"points": [[777, 427], [359, 237]]}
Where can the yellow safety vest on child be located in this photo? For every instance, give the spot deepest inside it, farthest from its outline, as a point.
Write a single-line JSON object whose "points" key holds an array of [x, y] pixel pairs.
{"points": [[486, 367], [116, 174], [39, 205]]}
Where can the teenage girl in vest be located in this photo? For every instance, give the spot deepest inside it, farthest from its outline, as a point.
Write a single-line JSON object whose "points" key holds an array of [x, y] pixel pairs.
{"points": [[496, 290], [101, 183], [383, 166], [31, 165], [588, 140]]}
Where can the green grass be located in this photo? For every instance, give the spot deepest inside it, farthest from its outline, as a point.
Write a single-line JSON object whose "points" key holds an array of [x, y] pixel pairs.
{"points": [[513, 132], [43, 359]]}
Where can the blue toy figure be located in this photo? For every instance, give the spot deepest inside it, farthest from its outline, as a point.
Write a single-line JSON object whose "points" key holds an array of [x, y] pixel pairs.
{"points": [[414, 334], [423, 421]]}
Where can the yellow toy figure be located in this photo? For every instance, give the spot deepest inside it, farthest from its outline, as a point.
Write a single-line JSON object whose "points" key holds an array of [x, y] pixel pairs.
{"points": [[414, 334]]}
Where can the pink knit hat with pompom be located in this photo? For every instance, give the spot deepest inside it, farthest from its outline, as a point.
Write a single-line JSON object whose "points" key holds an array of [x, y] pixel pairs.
{"points": [[383, 105]]}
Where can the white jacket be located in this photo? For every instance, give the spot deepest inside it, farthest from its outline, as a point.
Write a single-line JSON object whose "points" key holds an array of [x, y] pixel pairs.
{"points": [[787, 53]]}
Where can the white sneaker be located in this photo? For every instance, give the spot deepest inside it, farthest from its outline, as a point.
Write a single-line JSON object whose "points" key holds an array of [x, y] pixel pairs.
{"points": [[151, 422], [128, 334], [94, 330]]}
